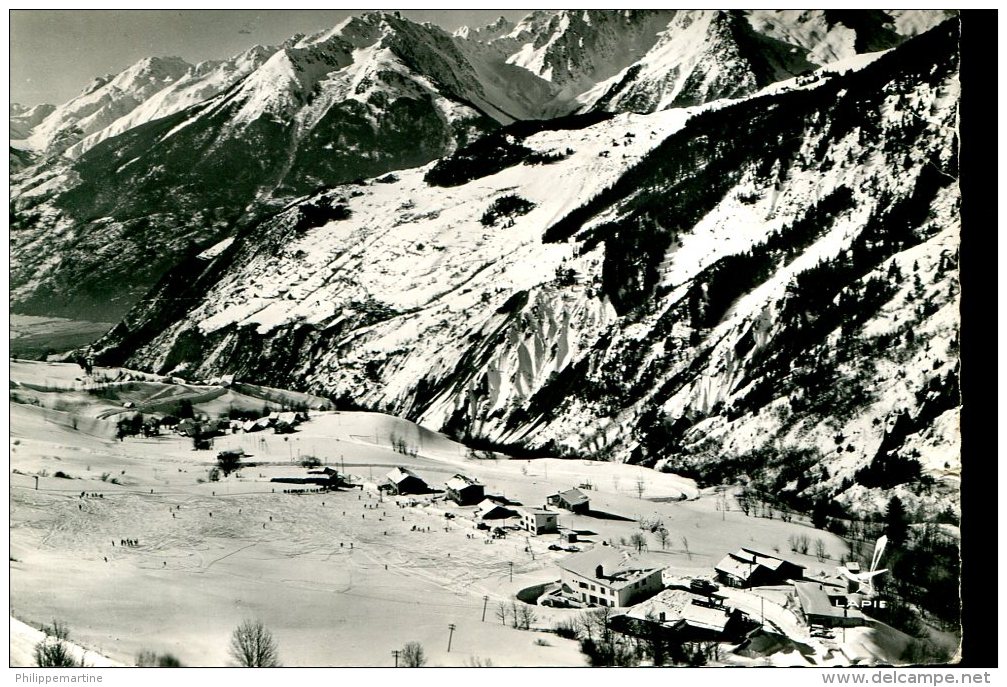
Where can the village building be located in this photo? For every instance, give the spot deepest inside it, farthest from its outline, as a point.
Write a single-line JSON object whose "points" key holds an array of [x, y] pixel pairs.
{"points": [[405, 481], [750, 568], [827, 605], [257, 425], [605, 576], [189, 428], [538, 520], [326, 477], [573, 500], [464, 491], [491, 510], [683, 615]]}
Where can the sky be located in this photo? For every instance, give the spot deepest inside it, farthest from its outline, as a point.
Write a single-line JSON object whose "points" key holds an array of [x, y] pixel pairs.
{"points": [[55, 54]]}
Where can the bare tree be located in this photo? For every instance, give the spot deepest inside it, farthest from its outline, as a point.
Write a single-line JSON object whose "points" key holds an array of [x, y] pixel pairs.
{"points": [[501, 613], [744, 502], [253, 646], [476, 662], [413, 656], [820, 549], [641, 486], [662, 536], [685, 545], [638, 541], [526, 617]]}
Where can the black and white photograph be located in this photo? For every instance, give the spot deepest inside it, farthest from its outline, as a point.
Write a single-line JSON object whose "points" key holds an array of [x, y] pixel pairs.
{"points": [[485, 338]]}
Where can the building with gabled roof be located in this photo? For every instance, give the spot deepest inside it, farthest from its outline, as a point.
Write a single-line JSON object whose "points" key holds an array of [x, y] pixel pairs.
{"points": [[487, 509], [605, 576], [464, 490], [573, 500], [405, 481], [682, 615], [820, 607], [749, 568]]}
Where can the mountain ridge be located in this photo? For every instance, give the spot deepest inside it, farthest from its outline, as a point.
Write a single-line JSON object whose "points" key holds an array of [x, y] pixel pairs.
{"points": [[643, 288]]}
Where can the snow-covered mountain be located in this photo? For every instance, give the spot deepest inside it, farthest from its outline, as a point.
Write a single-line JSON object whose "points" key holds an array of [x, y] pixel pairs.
{"points": [[23, 119], [763, 286], [373, 95], [703, 55], [166, 157], [199, 82], [103, 101]]}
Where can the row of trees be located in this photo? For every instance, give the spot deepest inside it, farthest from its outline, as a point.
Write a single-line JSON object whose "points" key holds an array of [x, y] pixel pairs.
{"points": [[252, 646]]}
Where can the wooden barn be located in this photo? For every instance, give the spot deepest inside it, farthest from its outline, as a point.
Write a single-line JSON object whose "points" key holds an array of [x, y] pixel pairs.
{"points": [[750, 568], [464, 491], [405, 481]]}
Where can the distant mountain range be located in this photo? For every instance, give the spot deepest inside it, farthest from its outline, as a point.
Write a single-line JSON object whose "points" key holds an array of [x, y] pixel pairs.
{"points": [[166, 157]]}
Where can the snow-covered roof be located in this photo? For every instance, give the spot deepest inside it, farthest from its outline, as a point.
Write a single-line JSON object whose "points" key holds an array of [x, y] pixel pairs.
{"points": [[815, 601], [618, 568], [399, 474], [574, 497], [705, 617], [736, 567], [290, 417], [765, 560], [743, 562], [487, 506], [459, 482]]}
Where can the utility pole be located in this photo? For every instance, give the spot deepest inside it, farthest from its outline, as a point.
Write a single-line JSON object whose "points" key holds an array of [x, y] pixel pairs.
{"points": [[451, 630], [762, 610], [395, 653], [511, 564], [485, 601], [36, 482]]}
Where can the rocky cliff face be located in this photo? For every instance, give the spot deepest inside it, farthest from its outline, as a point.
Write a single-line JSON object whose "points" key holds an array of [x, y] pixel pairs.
{"points": [[763, 287]]}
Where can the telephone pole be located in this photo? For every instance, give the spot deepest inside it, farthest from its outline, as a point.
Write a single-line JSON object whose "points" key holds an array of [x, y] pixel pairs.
{"points": [[395, 653], [451, 630], [485, 601]]}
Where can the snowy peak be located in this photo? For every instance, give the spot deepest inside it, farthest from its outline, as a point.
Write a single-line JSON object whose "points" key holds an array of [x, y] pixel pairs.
{"points": [[572, 48], [104, 101], [490, 32], [23, 119], [696, 59], [373, 59], [704, 55]]}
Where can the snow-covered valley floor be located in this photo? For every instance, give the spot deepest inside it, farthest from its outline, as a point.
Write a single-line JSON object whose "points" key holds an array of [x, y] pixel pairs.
{"points": [[340, 578]]}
